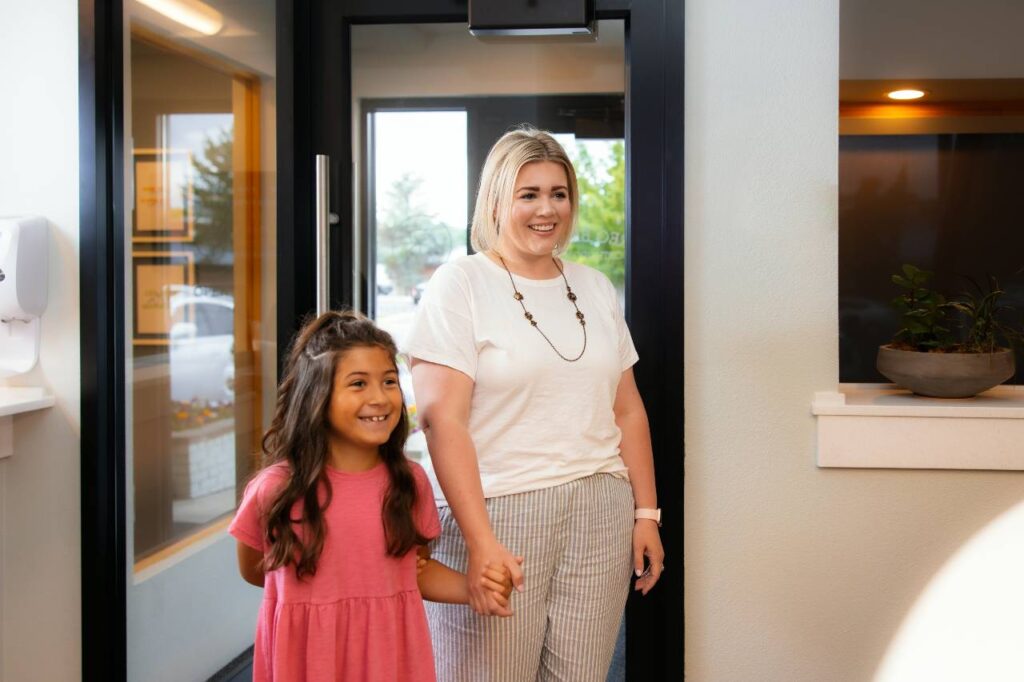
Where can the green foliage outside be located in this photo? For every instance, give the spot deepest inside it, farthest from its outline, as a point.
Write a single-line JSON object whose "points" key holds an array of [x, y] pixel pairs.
{"points": [[213, 194], [411, 243], [601, 229]]}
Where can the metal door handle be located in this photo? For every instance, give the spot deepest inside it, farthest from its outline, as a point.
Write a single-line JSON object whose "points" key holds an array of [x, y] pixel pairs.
{"points": [[323, 226]]}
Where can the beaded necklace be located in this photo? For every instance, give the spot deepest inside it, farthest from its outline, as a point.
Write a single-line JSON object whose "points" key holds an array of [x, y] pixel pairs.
{"points": [[529, 316]]}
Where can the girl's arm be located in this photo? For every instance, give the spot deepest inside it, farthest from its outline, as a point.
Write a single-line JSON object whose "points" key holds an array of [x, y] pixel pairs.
{"points": [[443, 397], [250, 564], [631, 418], [438, 583]]}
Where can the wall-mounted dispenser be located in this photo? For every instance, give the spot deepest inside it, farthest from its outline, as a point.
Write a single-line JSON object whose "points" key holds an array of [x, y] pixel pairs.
{"points": [[23, 281]]}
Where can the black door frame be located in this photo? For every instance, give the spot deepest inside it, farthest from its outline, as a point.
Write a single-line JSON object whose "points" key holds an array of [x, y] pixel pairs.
{"points": [[101, 283], [320, 111]]}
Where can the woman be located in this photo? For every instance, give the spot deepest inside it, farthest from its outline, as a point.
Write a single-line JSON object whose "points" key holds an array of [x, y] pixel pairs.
{"points": [[541, 452]]}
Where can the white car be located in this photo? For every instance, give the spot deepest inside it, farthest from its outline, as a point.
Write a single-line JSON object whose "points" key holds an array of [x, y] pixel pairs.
{"points": [[202, 342]]}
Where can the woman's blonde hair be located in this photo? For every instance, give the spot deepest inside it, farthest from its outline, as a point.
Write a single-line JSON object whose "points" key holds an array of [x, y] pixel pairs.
{"points": [[512, 151]]}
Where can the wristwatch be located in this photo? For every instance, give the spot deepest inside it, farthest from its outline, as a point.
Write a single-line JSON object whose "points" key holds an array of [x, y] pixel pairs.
{"points": [[652, 514]]}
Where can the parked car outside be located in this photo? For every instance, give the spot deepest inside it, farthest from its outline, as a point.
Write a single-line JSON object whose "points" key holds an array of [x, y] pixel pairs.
{"points": [[383, 283], [202, 340]]}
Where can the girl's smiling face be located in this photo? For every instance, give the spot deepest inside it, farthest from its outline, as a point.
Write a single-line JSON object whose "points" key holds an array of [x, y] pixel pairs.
{"points": [[541, 212], [366, 401]]}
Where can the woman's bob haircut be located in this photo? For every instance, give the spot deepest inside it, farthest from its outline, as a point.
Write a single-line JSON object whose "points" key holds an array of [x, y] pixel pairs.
{"points": [[512, 151]]}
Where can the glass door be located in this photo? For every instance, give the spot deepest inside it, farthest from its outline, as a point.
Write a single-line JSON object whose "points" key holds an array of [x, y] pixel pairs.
{"points": [[199, 327], [405, 104]]}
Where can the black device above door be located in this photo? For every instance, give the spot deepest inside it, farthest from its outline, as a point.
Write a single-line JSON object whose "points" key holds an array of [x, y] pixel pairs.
{"points": [[316, 98]]}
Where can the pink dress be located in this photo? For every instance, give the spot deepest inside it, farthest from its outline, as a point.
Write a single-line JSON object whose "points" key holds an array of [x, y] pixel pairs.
{"points": [[361, 616]]}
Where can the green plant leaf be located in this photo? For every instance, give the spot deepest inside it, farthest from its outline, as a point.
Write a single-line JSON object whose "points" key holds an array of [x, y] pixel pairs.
{"points": [[903, 282]]}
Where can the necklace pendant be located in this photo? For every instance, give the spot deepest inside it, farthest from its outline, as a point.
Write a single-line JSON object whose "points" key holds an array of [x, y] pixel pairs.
{"points": [[529, 316]]}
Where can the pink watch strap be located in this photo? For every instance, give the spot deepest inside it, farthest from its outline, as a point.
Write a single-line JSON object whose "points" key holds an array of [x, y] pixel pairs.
{"points": [[652, 514]]}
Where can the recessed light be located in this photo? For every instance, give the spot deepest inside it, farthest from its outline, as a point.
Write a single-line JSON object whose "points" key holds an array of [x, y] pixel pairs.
{"points": [[906, 94]]}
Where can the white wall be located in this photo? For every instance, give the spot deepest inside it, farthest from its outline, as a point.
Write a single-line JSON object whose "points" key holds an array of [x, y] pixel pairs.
{"points": [[793, 574], [39, 485]]}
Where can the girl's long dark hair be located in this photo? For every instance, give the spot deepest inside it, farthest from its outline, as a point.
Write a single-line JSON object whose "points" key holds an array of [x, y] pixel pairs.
{"points": [[298, 435]]}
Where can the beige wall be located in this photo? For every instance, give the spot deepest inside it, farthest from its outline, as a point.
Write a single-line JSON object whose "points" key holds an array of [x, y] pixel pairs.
{"points": [[793, 574], [39, 484], [932, 39], [444, 60]]}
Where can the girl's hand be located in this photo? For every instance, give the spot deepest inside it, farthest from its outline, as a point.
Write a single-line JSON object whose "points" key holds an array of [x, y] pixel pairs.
{"points": [[647, 543], [498, 580], [421, 563], [481, 599]]}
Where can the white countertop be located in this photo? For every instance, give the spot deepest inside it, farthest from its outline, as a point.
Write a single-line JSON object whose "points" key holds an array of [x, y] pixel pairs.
{"points": [[18, 399]]}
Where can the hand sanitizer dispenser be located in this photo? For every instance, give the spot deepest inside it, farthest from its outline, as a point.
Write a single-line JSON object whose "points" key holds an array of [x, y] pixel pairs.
{"points": [[23, 281]]}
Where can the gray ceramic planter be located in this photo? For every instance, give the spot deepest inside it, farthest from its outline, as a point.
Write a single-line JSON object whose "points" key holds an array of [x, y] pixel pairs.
{"points": [[945, 375]]}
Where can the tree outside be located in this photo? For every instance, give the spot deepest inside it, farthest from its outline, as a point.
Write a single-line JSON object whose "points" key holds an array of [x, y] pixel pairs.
{"points": [[411, 243], [213, 191], [600, 240]]}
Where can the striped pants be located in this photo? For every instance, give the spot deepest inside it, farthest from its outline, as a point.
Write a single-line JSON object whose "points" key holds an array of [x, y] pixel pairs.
{"points": [[577, 541]]}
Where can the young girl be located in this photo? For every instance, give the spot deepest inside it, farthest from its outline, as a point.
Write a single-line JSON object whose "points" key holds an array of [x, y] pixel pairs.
{"points": [[342, 593]]}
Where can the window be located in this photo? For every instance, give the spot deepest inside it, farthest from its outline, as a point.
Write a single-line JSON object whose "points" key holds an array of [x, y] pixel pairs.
{"points": [[933, 182], [423, 159]]}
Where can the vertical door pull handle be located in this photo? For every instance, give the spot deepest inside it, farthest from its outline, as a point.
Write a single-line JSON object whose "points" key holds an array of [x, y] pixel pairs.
{"points": [[323, 223]]}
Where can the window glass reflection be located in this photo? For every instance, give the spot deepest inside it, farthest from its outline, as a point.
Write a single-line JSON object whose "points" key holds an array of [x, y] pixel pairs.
{"points": [[197, 227]]}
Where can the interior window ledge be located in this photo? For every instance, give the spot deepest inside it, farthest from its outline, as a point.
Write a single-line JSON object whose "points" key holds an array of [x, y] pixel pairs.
{"points": [[879, 426]]}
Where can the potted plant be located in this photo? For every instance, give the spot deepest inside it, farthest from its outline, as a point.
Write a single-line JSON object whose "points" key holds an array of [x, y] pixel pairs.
{"points": [[949, 348]]}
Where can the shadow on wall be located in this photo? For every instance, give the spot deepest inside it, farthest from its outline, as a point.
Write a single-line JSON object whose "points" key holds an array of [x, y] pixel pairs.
{"points": [[965, 625]]}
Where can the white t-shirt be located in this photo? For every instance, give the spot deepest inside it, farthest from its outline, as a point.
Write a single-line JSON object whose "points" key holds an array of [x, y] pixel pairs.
{"points": [[536, 420]]}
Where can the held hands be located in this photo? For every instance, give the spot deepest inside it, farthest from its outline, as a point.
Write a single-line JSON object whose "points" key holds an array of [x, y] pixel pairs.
{"points": [[647, 543], [489, 567], [498, 581]]}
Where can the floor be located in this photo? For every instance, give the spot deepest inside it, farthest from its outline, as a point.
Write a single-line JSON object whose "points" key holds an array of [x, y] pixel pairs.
{"points": [[238, 670]]}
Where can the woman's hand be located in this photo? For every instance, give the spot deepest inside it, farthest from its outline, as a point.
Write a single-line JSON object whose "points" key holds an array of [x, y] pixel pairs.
{"points": [[491, 556], [647, 543], [498, 581]]}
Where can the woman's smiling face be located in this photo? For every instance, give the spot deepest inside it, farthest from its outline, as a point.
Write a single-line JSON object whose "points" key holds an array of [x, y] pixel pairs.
{"points": [[541, 212]]}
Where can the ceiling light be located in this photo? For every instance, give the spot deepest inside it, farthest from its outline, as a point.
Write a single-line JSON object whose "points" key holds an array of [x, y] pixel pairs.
{"points": [[194, 14], [906, 94]]}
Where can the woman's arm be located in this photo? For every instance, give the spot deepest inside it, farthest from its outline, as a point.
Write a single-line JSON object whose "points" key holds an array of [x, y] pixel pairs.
{"points": [[443, 397], [250, 564], [631, 418]]}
